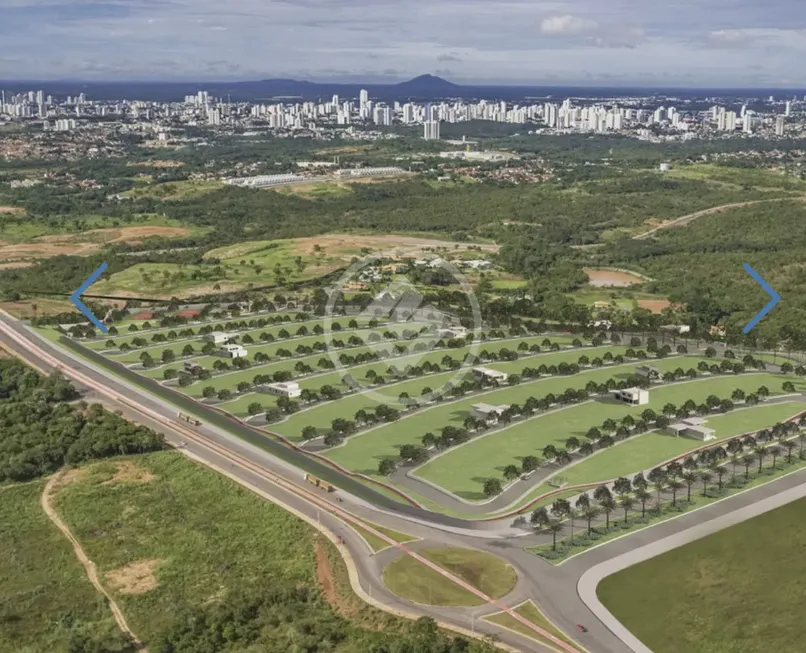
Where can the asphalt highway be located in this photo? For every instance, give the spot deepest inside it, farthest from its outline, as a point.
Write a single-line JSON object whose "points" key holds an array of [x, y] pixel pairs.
{"points": [[553, 588]]}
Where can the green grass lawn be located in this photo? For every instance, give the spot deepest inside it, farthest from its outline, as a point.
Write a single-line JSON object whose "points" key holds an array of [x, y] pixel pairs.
{"points": [[321, 416], [258, 346], [363, 451], [463, 470], [646, 451], [410, 579], [737, 591], [46, 600], [231, 379], [274, 329]]}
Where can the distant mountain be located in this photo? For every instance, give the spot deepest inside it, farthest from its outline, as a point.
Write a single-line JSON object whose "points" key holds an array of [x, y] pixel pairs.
{"points": [[424, 88], [427, 84]]}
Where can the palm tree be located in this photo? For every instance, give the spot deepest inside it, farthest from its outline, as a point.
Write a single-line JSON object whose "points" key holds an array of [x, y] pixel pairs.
{"points": [[674, 486], [554, 526], [720, 472], [590, 513], [705, 477], [657, 476], [747, 460], [775, 451], [734, 460], [643, 496], [689, 478], [760, 452], [789, 446], [608, 505], [627, 502]]}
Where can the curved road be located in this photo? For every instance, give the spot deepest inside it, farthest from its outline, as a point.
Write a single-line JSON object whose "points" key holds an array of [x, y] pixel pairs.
{"points": [[552, 588]]}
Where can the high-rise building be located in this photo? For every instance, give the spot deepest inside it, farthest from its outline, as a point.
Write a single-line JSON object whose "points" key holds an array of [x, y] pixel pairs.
{"points": [[363, 97], [779, 125], [431, 130], [788, 110]]}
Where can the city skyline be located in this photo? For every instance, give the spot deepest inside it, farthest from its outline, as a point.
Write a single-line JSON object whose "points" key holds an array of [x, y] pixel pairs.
{"points": [[727, 43]]}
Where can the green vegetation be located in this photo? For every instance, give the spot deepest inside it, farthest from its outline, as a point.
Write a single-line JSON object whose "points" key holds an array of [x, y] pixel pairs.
{"points": [[729, 591], [411, 579], [219, 565], [46, 601], [41, 432]]}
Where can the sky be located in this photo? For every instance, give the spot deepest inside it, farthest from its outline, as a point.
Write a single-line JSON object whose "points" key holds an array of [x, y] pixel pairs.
{"points": [[690, 43]]}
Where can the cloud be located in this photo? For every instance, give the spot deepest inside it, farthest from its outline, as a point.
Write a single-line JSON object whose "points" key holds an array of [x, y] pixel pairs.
{"points": [[505, 41], [731, 38], [567, 24]]}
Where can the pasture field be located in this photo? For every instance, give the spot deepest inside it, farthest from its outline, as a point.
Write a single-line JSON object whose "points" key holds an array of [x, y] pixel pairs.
{"points": [[46, 601], [725, 593], [463, 470]]}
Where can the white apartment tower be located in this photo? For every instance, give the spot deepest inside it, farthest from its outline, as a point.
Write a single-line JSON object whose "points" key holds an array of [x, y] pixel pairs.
{"points": [[431, 130]]}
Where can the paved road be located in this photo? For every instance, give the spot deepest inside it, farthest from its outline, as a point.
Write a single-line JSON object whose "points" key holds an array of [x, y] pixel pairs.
{"points": [[553, 588], [282, 483]]}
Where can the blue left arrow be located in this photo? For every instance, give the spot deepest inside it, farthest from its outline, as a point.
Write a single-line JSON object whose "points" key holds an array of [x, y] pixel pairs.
{"points": [[81, 306]]}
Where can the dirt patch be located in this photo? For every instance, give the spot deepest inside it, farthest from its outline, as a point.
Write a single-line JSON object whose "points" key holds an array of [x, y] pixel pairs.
{"points": [[654, 305], [128, 472], [349, 244], [601, 278], [11, 209], [327, 583], [16, 264], [84, 243], [135, 578]]}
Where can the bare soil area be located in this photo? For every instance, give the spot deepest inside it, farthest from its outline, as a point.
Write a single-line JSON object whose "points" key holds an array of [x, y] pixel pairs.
{"points": [[129, 472], [135, 578], [11, 209], [611, 278], [84, 243], [654, 305], [327, 583], [16, 264]]}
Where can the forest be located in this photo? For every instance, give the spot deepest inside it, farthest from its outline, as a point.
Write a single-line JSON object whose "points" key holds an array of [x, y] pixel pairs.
{"points": [[41, 432]]}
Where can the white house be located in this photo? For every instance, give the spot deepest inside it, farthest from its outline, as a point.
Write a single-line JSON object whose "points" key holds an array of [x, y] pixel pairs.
{"points": [[233, 351], [489, 374], [693, 428], [218, 337], [677, 328], [632, 396], [487, 412], [452, 332], [284, 389]]}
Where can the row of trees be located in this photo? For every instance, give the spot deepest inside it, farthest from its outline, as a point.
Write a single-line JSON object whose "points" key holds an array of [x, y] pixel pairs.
{"points": [[707, 467]]}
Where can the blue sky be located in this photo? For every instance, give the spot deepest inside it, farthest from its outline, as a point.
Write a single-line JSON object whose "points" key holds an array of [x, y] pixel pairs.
{"points": [[679, 42]]}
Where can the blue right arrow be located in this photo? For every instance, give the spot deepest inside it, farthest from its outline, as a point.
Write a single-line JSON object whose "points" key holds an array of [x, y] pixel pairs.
{"points": [[81, 306], [770, 305]]}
